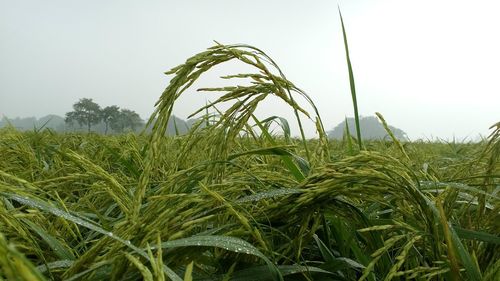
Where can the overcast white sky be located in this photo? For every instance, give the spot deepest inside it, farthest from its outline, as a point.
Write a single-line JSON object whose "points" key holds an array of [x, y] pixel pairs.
{"points": [[432, 68]]}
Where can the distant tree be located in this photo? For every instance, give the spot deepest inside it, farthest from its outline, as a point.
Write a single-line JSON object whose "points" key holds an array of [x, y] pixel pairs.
{"points": [[127, 119], [109, 114], [85, 112]]}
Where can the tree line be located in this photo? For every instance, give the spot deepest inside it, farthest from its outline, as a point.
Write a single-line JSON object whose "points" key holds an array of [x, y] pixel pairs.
{"points": [[88, 113]]}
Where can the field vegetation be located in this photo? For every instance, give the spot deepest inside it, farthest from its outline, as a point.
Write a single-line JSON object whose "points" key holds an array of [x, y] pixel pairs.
{"points": [[236, 200]]}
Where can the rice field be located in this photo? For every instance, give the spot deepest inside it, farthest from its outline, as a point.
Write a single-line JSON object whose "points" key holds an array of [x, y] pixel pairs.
{"points": [[236, 200]]}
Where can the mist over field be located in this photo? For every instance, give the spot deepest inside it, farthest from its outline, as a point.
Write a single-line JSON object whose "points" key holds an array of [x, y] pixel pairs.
{"points": [[429, 67]]}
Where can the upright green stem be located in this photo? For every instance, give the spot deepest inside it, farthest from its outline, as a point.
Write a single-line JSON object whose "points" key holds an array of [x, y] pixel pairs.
{"points": [[353, 87]]}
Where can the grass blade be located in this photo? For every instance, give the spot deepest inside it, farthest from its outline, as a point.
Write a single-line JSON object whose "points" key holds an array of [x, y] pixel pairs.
{"points": [[228, 243], [477, 235], [58, 248], [250, 274], [352, 84], [294, 170], [471, 269], [188, 275]]}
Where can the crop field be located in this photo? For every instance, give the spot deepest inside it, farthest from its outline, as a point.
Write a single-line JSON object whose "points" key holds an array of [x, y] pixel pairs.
{"points": [[238, 199]]}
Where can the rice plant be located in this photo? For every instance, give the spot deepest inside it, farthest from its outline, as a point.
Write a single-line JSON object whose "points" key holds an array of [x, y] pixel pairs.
{"points": [[231, 200]]}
